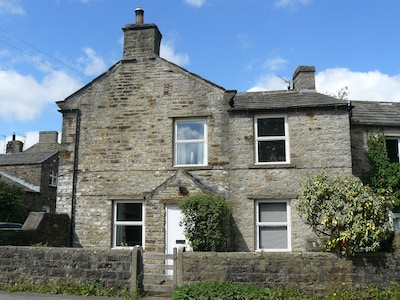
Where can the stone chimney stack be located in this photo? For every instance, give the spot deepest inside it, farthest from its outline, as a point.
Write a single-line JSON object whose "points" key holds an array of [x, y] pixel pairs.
{"points": [[304, 78], [141, 41], [14, 146]]}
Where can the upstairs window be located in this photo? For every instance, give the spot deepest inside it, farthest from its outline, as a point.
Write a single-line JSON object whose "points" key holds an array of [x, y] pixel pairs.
{"points": [[190, 142], [53, 179], [392, 148], [271, 139], [128, 222]]}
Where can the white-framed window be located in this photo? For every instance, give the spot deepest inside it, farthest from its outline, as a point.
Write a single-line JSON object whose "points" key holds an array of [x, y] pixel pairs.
{"points": [[53, 178], [271, 139], [190, 139], [392, 148], [128, 223], [273, 225]]}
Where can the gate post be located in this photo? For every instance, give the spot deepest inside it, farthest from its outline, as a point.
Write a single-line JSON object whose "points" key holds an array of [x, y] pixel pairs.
{"points": [[136, 281], [179, 267]]}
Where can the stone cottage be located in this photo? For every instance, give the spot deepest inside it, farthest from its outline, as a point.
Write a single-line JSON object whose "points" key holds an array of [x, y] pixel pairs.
{"points": [[145, 133], [34, 169]]}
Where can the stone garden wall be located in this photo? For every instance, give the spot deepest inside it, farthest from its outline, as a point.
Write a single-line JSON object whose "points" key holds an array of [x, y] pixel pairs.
{"points": [[309, 271]]}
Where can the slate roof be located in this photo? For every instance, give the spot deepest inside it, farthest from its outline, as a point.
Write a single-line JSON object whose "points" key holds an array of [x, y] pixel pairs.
{"points": [[24, 158], [12, 180], [283, 100], [375, 113]]}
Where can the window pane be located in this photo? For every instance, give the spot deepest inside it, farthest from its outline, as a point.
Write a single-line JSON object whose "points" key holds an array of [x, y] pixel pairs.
{"points": [[192, 130], [271, 127], [269, 151], [129, 211], [273, 237], [129, 235], [190, 154], [272, 212], [392, 147]]}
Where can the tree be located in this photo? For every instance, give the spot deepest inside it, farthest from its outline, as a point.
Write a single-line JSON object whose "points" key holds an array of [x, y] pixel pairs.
{"points": [[206, 221], [11, 207], [347, 213]]}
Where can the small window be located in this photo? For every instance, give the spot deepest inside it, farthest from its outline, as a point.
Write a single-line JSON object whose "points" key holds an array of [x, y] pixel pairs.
{"points": [[271, 139], [273, 225], [53, 179], [392, 148], [190, 142], [128, 224]]}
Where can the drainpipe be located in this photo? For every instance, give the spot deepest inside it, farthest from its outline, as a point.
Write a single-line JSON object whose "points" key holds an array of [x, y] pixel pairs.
{"points": [[74, 172]]}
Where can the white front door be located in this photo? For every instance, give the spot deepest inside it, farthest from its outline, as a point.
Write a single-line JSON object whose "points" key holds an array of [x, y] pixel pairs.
{"points": [[175, 237]]}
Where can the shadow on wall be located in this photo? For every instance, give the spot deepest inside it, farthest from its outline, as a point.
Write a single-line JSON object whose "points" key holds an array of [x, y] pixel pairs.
{"points": [[40, 229]]}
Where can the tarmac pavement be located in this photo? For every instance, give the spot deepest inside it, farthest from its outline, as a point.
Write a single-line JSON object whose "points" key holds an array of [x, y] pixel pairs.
{"points": [[34, 296]]}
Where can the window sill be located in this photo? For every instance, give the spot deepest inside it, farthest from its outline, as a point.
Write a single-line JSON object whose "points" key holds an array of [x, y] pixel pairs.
{"points": [[193, 167], [272, 166]]}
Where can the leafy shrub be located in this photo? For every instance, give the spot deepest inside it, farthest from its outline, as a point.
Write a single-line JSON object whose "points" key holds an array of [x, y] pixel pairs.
{"points": [[383, 174], [206, 221], [231, 291], [348, 215], [11, 207]]}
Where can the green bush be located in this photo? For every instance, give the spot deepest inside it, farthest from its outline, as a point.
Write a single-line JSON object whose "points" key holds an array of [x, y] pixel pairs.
{"points": [[206, 219], [218, 290], [347, 214], [230, 291]]}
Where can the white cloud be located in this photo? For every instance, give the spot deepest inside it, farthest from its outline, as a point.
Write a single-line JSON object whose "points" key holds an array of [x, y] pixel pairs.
{"points": [[275, 64], [22, 97], [197, 3], [372, 85], [93, 64], [291, 3], [12, 7], [269, 82], [167, 51]]}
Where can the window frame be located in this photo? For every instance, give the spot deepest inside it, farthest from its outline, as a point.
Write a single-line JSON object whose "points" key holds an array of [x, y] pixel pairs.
{"points": [[203, 141], [260, 225], [393, 138], [284, 138], [117, 223], [53, 179]]}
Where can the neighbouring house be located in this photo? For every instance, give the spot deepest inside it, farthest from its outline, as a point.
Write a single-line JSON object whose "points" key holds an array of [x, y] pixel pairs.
{"points": [[147, 132], [34, 169]]}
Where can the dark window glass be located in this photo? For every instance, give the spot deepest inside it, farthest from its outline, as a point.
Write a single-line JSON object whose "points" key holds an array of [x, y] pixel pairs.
{"points": [[129, 235], [269, 151], [271, 127], [392, 148], [129, 211]]}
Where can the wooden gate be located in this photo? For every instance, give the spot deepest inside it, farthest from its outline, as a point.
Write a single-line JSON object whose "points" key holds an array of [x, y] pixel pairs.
{"points": [[157, 269]]}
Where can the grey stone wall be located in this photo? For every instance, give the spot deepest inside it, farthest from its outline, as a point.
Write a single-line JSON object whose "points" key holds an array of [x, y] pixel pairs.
{"points": [[308, 271], [39, 265], [317, 140], [39, 228], [126, 140]]}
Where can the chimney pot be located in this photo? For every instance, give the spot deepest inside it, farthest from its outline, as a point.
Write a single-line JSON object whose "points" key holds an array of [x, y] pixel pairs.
{"points": [[139, 16]]}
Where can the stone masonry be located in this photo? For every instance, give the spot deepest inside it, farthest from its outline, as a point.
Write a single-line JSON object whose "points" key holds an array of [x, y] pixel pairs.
{"points": [[118, 137]]}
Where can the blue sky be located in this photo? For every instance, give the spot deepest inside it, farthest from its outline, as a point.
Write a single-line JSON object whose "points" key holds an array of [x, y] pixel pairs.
{"points": [[51, 48]]}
